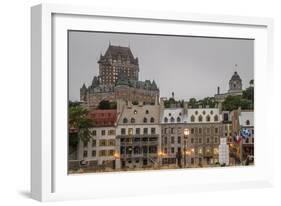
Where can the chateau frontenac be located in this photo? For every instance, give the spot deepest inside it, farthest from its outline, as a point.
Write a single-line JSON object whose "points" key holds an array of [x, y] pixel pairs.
{"points": [[118, 79]]}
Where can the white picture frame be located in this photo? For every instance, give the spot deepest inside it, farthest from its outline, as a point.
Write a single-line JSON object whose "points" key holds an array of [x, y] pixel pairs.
{"points": [[49, 179]]}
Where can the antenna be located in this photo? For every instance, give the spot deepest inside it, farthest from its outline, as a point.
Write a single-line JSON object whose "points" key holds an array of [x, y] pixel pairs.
{"points": [[236, 67]]}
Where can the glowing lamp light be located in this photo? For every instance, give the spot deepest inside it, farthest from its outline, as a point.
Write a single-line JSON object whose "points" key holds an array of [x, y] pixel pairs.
{"points": [[186, 132]]}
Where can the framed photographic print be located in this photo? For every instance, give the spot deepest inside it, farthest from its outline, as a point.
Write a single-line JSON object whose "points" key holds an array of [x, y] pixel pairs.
{"points": [[134, 102]]}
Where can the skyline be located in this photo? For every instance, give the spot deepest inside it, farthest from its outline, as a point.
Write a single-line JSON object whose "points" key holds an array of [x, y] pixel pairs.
{"points": [[161, 56]]}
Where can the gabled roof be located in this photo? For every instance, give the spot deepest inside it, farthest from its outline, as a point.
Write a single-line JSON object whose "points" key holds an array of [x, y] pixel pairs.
{"points": [[116, 51]]}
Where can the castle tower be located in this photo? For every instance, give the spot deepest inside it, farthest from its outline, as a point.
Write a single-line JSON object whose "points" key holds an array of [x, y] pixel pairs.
{"points": [[235, 84], [117, 59]]}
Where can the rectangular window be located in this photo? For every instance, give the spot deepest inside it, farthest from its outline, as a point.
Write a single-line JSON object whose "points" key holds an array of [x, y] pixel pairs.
{"points": [[111, 132], [94, 143], [123, 131], [179, 139], [130, 131], [94, 133], [200, 140], [137, 130], [102, 132], [172, 140], [85, 144], [110, 152], [216, 140], [192, 130], [200, 130], [172, 150], [165, 150], [192, 140], [216, 130], [102, 142], [208, 140], [102, 153], [153, 130], [111, 142], [172, 130], [93, 153], [145, 130], [85, 153]]}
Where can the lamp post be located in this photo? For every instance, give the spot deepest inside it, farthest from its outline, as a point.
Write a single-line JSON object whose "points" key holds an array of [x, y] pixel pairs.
{"points": [[116, 157], [186, 133]]}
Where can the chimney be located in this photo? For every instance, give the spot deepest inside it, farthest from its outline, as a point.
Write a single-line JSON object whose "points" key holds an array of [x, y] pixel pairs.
{"points": [[218, 90]]}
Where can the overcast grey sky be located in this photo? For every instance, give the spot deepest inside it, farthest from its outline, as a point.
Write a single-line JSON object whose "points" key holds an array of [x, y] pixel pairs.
{"points": [[187, 66]]}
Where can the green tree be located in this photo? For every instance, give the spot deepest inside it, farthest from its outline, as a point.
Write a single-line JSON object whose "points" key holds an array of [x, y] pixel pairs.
{"points": [[192, 103], [105, 104], [79, 126], [248, 94], [231, 103]]}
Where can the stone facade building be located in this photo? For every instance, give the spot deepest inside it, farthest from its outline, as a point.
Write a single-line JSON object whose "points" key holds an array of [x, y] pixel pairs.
{"points": [[198, 146], [102, 151], [118, 79], [138, 132], [235, 88]]}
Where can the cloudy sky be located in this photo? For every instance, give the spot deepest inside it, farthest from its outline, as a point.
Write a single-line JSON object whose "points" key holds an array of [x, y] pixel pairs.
{"points": [[187, 66]]}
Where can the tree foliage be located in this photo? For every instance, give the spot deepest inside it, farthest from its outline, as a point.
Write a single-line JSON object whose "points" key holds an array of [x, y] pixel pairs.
{"points": [[246, 101], [105, 104], [79, 125]]}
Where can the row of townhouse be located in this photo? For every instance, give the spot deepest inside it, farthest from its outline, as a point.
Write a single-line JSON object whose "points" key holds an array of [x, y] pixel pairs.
{"points": [[149, 136]]}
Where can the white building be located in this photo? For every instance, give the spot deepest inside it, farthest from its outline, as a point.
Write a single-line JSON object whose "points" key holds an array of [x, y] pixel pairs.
{"points": [[223, 151]]}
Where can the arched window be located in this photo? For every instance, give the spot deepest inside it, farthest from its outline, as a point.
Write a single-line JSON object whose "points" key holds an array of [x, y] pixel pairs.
{"points": [[125, 120], [165, 119], [196, 112], [178, 119], [204, 112], [200, 118], [208, 118], [172, 119], [146, 112], [133, 120], [192, 118], [144, 120], [151, 119], [248, 122], [216, 118], [211, 112]]}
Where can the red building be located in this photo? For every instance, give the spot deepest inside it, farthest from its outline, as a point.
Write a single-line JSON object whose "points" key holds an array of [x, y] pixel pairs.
{"points": [[103, 118]]}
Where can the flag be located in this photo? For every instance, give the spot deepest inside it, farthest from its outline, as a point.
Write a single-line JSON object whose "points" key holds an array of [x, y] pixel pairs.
{"points": [[237, 138], [245, 133]]}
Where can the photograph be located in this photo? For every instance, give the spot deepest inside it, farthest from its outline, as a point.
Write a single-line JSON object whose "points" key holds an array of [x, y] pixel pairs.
{"points": [[139, 102]]}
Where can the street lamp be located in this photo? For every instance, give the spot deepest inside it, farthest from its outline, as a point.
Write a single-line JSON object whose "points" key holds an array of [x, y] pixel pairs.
{"points": [[116, 157], [186, 133], [161, 155]]}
